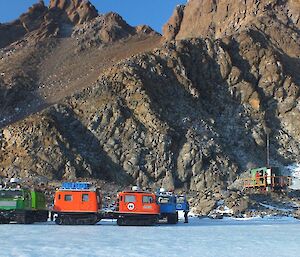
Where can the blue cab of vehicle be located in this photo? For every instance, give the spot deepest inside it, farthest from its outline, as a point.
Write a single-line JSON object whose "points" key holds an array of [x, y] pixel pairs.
{"points": [[167, 204], [182, 203]]}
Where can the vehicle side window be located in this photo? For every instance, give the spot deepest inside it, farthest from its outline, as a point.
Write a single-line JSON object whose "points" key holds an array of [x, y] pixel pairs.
{"points": [[147, 199], [85, 197], [59, 197], [68, 198], [130, 198]]}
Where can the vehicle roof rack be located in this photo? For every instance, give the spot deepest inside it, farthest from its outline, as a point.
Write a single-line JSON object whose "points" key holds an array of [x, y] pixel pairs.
{"points": [[75, 186]]}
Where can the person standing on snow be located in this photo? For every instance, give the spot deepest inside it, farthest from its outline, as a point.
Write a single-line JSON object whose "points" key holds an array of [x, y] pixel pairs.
{"points": [[186, 219]]}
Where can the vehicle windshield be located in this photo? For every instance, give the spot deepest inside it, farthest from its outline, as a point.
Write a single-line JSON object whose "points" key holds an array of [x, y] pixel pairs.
{"points": [[162, 199], [180, 199], [11, 193]]}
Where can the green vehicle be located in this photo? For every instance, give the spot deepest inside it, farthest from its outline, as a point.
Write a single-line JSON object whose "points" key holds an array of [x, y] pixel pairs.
{"points": [[23, 206]]}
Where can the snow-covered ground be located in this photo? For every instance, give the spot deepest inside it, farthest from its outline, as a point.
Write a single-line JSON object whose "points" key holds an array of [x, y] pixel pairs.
{"points": [[200, 237]]}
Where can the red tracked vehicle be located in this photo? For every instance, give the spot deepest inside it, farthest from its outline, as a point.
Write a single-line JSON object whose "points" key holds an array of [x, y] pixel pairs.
{"points": [[136, 208], [77, 204]]}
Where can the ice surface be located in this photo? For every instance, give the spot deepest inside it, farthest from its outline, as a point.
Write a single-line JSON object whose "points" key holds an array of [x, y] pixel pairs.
{"points": [[201, 237]]}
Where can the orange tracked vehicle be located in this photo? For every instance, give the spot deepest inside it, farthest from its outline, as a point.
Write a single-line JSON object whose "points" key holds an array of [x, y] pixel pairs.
{"points": [[136, 207], [77, 204]]}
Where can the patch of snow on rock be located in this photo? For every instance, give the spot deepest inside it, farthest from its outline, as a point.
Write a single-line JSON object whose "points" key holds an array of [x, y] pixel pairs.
{"points": [[294, 171]]}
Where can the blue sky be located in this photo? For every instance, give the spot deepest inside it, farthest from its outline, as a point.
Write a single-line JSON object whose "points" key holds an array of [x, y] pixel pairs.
{"points": [[151, 12]]}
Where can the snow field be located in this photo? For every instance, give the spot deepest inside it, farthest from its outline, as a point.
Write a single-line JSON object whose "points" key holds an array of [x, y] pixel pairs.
{"points": [[201, 237]]}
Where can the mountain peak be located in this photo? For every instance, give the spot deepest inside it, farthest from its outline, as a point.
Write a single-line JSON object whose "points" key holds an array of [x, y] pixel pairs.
{"points": [[77, 11]]}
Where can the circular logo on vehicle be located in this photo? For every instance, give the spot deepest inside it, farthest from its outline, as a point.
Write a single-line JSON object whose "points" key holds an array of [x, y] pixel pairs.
{"points": [[130, 206], [178, 206]]}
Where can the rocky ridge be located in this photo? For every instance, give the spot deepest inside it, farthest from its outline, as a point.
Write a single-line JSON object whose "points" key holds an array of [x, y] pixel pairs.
{"points": [[58, 33], [106, 29], [75, 11], [216, 19]]}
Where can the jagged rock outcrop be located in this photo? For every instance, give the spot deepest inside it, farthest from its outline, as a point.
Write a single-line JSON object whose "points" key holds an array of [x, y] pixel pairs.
{"points": [[172, 27], [262, 39], [106, 29], [45, 22], [27, 22], [76, 11], [216, 19]]}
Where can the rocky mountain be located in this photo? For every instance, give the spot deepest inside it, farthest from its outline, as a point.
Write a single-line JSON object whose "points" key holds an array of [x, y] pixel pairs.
{"points": [[219, 18], [75, 11], [189, 111], [40, 51]]}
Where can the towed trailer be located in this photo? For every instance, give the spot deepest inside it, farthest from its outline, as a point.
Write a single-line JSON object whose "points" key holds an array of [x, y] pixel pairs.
{"points": [[80, 204], [136, 207]]}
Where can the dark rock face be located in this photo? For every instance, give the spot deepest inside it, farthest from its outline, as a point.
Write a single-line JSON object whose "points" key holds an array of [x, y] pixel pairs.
{"points": [[262, 39], [128, 127]]}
